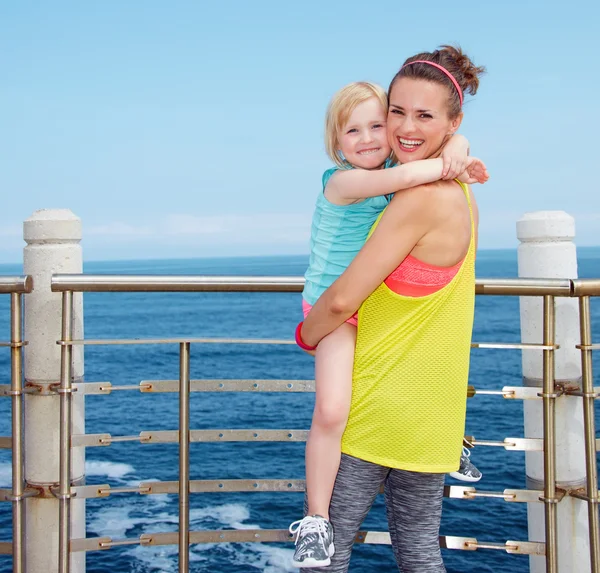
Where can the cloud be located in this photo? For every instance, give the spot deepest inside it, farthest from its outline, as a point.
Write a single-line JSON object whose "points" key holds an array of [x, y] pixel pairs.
{"points": [[228, 229], [118, 228], [273, 226]]}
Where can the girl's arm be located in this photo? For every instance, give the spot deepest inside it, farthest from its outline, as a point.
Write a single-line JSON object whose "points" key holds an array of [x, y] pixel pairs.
{"points": [[407, 219], [349, 185]]}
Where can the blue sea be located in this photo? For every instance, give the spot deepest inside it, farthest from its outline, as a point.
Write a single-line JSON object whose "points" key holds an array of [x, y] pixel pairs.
{"points": [[258, 315]]}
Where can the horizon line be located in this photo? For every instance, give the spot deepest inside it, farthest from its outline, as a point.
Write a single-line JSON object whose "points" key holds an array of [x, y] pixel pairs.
{"points": [[217, 257]]}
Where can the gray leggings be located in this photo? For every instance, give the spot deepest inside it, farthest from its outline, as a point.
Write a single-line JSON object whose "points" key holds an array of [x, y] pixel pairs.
{"points": [[414, 508]]}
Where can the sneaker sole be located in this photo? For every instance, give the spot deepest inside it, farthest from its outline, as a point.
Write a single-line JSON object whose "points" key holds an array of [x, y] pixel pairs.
{"points": [[310, 562], [462, 477]]}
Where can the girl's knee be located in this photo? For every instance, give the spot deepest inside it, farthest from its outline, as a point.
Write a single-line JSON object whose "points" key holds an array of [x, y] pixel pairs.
{"points": [[331, 417]]}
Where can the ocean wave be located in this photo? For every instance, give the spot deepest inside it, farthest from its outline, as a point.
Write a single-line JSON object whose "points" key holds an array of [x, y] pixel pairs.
{"points": [[230, 515], [93, 468], [133, 519], [114, 470], [159, 559], [116, 521], [266, 558]]}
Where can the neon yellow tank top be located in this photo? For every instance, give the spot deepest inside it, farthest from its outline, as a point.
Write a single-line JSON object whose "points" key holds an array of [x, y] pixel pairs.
{"points": [[411, 369]]}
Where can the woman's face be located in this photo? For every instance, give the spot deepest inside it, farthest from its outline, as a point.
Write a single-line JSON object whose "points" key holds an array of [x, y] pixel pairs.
{"points": [[418, 123]]}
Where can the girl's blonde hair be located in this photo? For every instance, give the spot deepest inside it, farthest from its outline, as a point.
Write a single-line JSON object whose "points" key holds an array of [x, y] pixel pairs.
{"points": [[340, 108]]}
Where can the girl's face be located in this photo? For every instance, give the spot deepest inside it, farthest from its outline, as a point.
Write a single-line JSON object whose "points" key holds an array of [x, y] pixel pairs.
{"points": [[363, 140], [418, 123]]}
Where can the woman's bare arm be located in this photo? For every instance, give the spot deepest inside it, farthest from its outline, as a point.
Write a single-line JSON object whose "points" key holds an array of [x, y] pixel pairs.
{"points": [[407, 219]]}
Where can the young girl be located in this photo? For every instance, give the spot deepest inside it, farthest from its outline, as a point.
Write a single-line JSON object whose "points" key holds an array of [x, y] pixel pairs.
{"points": [[354, 194]]}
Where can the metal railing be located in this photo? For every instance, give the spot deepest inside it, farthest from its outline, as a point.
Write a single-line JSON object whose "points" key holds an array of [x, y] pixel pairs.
{"points": [[70, 284], [15, 287]]}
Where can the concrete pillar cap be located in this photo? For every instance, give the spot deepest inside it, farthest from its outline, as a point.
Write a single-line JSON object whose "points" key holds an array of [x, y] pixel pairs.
{"points": [[546, 226], [52, 226]]}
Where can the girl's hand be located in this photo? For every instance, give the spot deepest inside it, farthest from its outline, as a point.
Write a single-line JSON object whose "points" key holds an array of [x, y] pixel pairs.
{"points": [[454, 155], [475, 172]]}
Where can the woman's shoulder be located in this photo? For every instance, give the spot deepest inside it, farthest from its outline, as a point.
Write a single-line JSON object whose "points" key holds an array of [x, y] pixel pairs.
{"points": [[429, 203], [426, 195]]}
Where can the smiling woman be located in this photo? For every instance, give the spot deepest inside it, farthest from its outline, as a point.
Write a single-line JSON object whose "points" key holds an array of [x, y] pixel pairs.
{"points": [[414, 281], [354, 194]]}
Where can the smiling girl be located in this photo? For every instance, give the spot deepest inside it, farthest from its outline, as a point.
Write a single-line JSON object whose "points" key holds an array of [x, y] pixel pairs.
{"points": [[354, 194]]}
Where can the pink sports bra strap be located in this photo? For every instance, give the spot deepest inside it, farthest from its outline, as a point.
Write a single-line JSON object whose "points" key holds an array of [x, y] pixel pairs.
{"points": [[416, 278]]}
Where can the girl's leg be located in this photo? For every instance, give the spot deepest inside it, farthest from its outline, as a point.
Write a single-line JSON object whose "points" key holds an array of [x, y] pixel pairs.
{"points": [[413, 503], [333, 375]]}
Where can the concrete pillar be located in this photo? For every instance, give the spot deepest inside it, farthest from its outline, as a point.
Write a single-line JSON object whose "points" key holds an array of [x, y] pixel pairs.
{"points": [[52, 237], [547, 250]]}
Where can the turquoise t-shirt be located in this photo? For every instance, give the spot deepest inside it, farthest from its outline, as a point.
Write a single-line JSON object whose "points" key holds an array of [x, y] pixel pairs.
{"points": [[338, 232]]}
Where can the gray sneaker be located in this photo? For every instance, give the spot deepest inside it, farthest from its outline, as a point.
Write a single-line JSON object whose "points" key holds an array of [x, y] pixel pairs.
{"points": [[467, 471], [314, 542]]}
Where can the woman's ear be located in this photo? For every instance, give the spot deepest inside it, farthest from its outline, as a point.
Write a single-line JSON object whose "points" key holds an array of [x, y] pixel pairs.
{"points": [[455, 123]]}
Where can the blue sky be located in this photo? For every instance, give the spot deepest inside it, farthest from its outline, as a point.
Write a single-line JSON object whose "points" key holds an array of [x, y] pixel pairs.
{"points": [[193, 129]]}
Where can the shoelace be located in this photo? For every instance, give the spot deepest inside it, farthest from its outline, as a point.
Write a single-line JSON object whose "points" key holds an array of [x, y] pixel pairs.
{"points": [[309, 524], [466, 452]]}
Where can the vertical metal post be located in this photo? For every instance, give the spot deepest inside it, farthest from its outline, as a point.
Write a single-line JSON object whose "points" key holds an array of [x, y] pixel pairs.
{"points": [[184, 456], [548, 400], [18, 480], [587, 383], [66, 367]]}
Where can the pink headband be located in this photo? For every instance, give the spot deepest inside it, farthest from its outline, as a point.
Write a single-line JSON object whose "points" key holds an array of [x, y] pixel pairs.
{"points": [[442, 69]]}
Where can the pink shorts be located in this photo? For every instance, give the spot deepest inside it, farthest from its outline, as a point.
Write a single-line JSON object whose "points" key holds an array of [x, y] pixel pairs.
{"points": [[353, 320]]}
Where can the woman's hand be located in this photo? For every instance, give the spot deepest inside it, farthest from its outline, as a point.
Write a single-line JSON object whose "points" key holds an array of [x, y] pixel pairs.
{"points": [[455, 156], [475, 172]]}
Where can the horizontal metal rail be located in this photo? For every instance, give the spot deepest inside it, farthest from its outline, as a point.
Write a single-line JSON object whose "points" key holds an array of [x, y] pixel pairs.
{"points": [[586, 287], [172, 283], [259, 386], [133, 341], [209, 283], [6, 547], [16, 284], [120, 341], [262, 435], [278, 486], [283, 535]]}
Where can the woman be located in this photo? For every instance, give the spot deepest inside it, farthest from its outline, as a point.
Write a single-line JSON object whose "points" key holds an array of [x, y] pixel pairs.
{"points": [[414, 282]]}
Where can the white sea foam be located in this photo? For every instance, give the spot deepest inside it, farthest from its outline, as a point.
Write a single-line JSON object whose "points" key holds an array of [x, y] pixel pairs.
{"points": [[113, 521], [161, 559], [249, 556], [118, 522], [112, 470], [266, 558], [229, 515], [5, 474]]}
